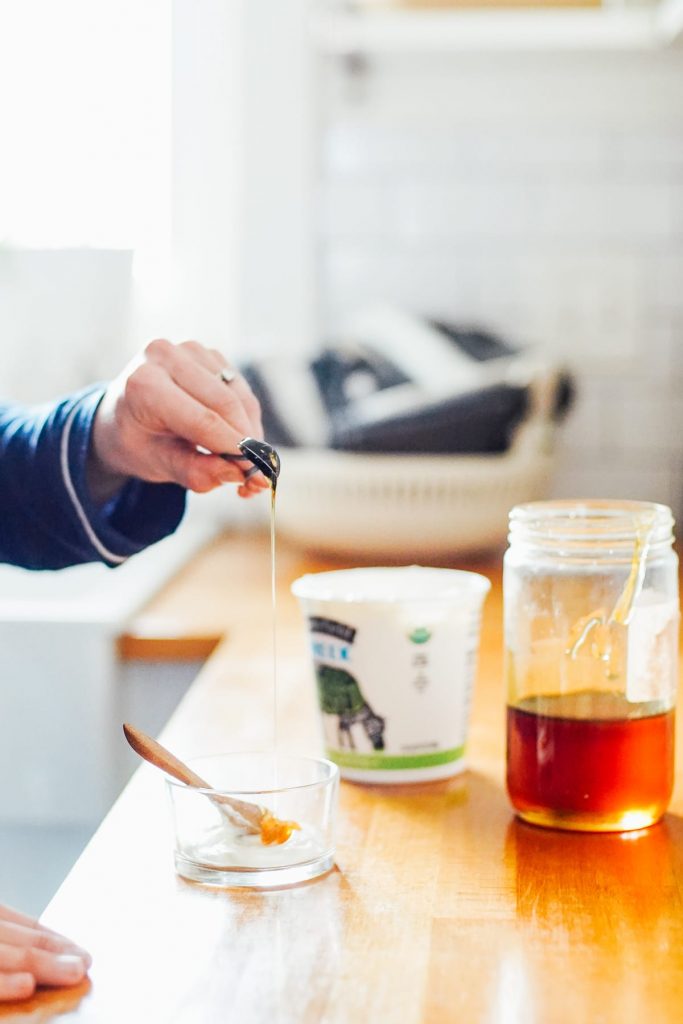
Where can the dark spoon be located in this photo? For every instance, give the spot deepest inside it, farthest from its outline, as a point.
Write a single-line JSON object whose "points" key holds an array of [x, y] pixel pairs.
{"points": [[264, 457]]}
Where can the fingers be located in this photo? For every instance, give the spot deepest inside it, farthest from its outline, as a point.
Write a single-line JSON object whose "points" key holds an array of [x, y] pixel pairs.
{"points": [[37, 937], [46, 968], [201, 473], [161, 406], [32, 955], [252, 486], [239, 388], [8, 915], [196, 371], [214, 361], [246, 491], [168, 403], [17, 985], [207, 387]]}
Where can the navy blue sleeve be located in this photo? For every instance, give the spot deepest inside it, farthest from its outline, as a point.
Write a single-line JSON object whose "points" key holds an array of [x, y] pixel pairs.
{"points": [[47, 518]]}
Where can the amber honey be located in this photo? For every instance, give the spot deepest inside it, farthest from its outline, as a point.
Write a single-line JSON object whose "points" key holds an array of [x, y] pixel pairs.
{"points": [[589, 760]]}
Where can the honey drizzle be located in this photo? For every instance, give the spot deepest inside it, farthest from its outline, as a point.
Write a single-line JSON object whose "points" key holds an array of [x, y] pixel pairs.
{"points": [[621, 613], [597, 625], [273, 599], [274, 831]]}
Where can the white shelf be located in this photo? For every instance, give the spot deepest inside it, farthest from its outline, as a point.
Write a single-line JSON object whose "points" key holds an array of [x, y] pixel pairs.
{"points": [[670, 21], [412, 31]]}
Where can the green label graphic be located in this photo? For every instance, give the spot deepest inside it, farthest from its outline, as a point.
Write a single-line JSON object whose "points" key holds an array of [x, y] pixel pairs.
{"points": [[420, 635], [350, 759]]}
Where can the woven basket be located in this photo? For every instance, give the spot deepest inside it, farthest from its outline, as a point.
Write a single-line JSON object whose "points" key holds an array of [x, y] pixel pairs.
{"points": [[402, 507]]}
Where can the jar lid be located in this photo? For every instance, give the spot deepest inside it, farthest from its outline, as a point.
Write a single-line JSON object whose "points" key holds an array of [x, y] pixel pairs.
{"points": [[592, 523]]}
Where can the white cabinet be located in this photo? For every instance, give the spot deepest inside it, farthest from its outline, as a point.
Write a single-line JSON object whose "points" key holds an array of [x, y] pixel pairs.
{"points": [[375, 28], [63, 693]]}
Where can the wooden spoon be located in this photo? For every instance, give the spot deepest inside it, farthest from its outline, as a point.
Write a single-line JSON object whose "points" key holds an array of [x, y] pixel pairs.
{"points": [[250, 817]]}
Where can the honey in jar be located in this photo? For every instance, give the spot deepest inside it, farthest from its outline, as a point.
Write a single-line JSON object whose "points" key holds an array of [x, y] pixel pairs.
{"points": [[591, 622]]}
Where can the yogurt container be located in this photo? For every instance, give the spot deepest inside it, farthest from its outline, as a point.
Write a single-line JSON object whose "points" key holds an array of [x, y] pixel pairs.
{"points": [[394, 652]]}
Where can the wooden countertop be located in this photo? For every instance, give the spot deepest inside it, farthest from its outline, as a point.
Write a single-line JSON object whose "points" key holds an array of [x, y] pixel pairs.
{"points": [[443, 907]]}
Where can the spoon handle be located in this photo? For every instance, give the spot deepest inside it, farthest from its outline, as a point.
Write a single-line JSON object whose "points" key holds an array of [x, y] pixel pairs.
{"points": [[153, 752]]}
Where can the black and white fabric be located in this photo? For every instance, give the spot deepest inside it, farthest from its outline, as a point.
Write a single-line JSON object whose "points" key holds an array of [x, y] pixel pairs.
{"points": [[396, 383]]}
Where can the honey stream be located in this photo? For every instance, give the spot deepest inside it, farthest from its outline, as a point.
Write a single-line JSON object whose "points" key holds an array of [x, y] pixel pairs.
{"points": [[273, 604], [273, 829]]}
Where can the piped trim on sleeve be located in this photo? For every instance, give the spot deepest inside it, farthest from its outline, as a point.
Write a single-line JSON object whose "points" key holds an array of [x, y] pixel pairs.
{"points": [[48, 518], [100, 548]]}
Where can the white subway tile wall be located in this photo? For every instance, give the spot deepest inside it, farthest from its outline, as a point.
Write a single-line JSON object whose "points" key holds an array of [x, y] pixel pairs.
{"points": [[538, 195]]}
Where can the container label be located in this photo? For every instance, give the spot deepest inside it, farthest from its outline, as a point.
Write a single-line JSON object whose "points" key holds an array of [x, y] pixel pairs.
{"points": [[652, 650], [394, 685], [351, 759]]}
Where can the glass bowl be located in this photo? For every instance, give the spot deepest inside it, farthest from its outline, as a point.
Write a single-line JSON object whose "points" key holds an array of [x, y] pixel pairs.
{"points": [[213, 850]]}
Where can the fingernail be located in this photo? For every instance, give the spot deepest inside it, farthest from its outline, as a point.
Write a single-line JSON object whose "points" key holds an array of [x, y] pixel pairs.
{"points": [[20, 986], [70, 966]]}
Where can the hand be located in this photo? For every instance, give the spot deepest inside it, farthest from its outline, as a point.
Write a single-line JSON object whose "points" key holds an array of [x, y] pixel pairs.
{"points": [[31, 955], [166, 404]]}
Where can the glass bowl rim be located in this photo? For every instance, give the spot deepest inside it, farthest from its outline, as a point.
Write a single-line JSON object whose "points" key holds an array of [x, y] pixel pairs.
{"points": [[332, 777]]}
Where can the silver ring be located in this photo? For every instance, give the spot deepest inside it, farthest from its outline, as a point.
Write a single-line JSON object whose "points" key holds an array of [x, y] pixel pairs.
{"points": [[227, 376]]}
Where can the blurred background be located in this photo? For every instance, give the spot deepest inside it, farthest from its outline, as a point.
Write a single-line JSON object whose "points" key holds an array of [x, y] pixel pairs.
{"points": [[250, 173], [253, 173]]}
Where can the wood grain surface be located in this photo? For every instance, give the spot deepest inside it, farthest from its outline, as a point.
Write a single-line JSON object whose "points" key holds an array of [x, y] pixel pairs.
{"points": [[442, 908]]}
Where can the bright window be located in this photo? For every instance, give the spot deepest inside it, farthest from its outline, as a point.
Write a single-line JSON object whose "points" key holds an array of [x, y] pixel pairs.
{"points": [[85, 123]]}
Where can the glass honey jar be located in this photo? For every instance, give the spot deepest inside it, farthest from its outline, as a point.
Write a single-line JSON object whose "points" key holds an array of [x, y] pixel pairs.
{"points": [[591, 649]]}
